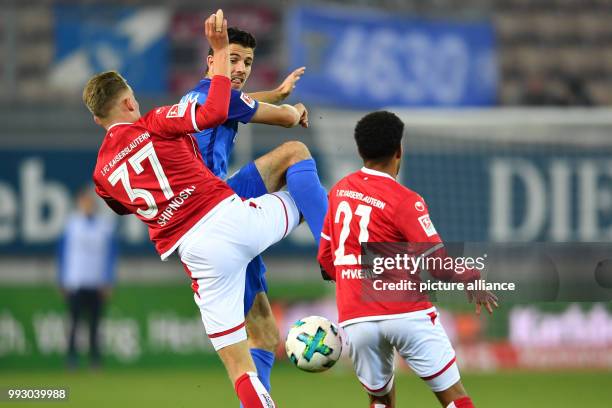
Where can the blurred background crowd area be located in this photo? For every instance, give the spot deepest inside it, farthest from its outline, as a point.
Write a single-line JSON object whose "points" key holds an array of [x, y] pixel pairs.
{"points": [[548, 52]]}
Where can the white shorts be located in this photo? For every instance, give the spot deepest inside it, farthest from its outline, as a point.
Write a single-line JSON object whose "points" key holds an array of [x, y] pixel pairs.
{"points": [[418, 338], [215, 255]]}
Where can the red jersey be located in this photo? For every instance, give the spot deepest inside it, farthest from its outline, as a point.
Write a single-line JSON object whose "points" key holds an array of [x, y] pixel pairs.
{"points": [[152, 168], [370, 206]]}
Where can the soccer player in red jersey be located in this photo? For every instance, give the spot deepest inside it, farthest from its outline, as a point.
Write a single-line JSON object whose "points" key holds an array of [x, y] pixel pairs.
{"points": [[371, 206], [150, 166]]}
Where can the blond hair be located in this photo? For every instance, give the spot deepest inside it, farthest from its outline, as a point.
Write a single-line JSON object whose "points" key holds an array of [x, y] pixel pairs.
{"points": [[102, 90]]}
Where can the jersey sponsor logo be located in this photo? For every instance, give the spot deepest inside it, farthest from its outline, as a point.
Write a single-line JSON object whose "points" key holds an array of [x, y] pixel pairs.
{"points": [[247, 99], [419, 206], [427, 225], [177, 111]]}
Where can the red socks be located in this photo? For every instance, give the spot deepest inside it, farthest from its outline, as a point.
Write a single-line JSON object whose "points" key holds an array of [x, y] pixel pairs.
{"points": [[464, 402], [252, 393]]}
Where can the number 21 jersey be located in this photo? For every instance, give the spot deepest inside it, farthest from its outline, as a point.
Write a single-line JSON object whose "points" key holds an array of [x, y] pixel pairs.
{"points": [[371, 206]]}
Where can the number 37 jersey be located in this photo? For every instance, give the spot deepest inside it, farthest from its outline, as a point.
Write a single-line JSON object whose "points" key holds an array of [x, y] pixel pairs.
{"points": [[152, 168], [370, 206]]}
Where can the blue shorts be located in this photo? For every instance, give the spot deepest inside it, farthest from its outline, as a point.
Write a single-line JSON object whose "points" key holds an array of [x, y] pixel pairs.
{"points": [[247, 183]]}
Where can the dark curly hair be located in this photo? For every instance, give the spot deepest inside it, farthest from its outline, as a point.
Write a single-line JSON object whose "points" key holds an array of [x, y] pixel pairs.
{"points": [[379, 135]]}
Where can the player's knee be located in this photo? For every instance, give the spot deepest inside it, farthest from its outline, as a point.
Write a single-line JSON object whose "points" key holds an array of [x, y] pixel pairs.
{"points": [[295, 152]]}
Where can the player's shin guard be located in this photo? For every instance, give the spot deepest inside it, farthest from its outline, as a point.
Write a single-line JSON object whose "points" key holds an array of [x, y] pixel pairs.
{"points": [[464, 402], [379, 405], [309, 195], [252, 393]]}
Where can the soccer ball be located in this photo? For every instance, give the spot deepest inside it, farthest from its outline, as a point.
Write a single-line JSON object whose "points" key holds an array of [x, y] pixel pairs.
{"points": [[313, 344]]}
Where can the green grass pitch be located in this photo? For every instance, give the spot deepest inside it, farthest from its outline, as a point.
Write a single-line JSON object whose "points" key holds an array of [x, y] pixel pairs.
{"points": [[209, 387]]}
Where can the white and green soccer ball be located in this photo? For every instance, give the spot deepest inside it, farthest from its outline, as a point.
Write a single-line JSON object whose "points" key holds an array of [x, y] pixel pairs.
{"points": [[313, 344]]}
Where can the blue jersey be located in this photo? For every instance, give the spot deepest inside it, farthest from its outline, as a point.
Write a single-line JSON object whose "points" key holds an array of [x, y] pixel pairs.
{"points": [[216, 144]]}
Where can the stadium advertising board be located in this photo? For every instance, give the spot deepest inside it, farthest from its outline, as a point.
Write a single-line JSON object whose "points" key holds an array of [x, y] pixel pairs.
{"points": [[36, 196], [370, 59], [169, 332], [558, 196], [550, 196]]}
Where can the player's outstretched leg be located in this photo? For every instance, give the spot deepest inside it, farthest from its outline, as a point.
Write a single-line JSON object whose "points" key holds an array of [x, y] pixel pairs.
{"points": [[292, 164]]}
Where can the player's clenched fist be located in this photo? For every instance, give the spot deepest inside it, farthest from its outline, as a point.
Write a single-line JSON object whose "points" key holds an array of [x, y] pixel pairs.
{"points": [[215, 28]]}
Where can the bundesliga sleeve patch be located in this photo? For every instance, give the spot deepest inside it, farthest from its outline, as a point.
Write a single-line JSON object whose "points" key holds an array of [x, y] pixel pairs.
{"points": [[177, 111], [247, 99], [427, 225]]}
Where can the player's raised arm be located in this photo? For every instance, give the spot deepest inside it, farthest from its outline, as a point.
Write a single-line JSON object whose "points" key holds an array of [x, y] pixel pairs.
{"points": [[215, 110], [418, 228], [281, 92], [190, 117], [216, 34]]}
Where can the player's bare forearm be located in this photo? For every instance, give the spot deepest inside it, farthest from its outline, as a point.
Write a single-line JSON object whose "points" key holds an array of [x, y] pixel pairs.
{"points": [[448, 274], [479, 297], [281, 92], [283, 115], [272, 96]]}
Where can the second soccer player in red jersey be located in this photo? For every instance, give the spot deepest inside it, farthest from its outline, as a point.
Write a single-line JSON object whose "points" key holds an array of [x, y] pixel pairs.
{"points": [[150, 166], [370, 206]]}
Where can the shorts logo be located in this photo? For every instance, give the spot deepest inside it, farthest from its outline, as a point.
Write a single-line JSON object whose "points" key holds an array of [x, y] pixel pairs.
{"points": [[247, 99], [177, 111], [419, 206], [432, 317], [427, 225]]}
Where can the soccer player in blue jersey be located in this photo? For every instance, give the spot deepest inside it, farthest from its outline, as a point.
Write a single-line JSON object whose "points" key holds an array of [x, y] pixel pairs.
{"points": [[289, 164]]}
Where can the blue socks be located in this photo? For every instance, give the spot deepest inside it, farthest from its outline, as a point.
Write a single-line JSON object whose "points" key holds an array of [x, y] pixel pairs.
{"points": [[264, 360], [311, 198]]}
